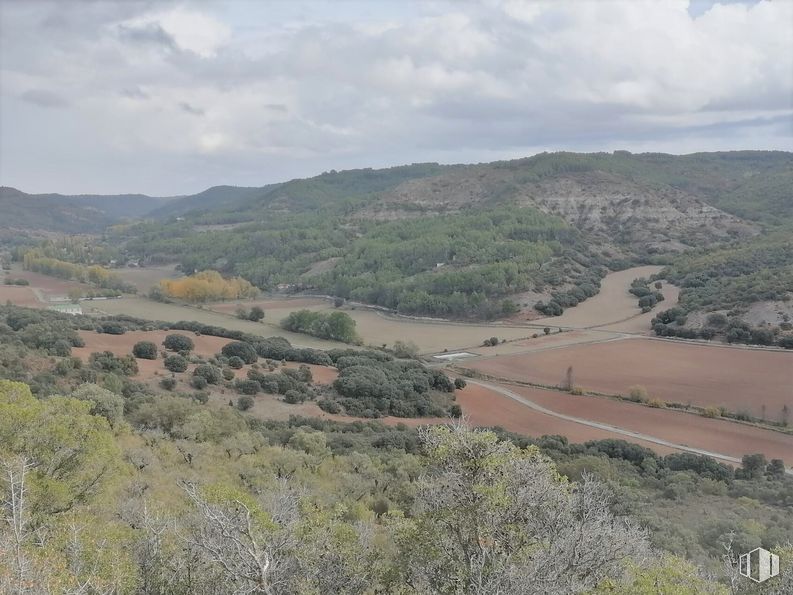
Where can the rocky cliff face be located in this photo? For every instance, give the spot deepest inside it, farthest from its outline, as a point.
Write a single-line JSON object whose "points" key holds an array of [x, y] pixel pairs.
{"points": [[642, 217]]}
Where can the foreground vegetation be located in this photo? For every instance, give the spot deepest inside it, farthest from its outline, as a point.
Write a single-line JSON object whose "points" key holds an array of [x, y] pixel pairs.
{"points": [[195, 500], [114, 485]]}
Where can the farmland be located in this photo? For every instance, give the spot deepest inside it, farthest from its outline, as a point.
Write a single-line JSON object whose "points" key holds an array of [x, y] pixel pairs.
{"points": [[735, 378], [599, 341], [19, 296], [713, 435]]}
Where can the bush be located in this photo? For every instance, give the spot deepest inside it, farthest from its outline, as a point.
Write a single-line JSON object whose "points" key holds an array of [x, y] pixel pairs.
{"points": [[256, 314], [638, 394], [236, 362], [212, 374], [106, 361], [247, 386], [176, 342], [175, 363], [455, 411], [110, 328], [145, 350], [198, 382], [245, 402], [168, 383], [459, 383], [228, 374], [293, 396], [329, 406], [241, 349]]}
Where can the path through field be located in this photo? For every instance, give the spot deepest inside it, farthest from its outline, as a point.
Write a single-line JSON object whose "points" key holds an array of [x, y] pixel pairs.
{"points": [[626, 433]]}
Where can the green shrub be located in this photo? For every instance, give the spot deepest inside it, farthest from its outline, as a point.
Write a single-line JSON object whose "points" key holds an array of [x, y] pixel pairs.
{"points": [[245, 402], [175, 363], [241, 349], [145, 350], [179, 343]]}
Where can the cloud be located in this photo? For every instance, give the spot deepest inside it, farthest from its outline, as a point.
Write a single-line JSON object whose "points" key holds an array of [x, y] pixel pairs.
{"points": [[297, 88], [44, 98], [190, 109], [147, 33]]}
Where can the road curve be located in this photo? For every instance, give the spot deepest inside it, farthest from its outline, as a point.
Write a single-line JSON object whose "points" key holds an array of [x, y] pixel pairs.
{"points": [[601, 426]]}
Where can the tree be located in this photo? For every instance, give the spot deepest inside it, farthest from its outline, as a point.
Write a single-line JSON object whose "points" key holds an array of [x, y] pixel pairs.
{"points": [[168, 383], [236, 362], [145, 350], [245, 402], [212, 374], [245, 351], [198, 382], [175, 363], [256, 314], [74, 451], [250, 541], [569, 379], [247, 386], [491, 517], [753, 466], [75, 293], [103, 402], [177, 342], [405, 349]]}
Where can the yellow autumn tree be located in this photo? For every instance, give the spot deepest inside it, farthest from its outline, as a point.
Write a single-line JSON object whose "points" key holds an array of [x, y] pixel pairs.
{"points": [[208, 286]]}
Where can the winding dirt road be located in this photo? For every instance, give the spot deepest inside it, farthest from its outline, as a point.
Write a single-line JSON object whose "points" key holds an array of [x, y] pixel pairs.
{"points": [[607, 427]]}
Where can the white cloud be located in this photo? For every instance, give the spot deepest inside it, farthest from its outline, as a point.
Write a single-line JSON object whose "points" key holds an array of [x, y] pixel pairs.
{"points": [[165, 94]]}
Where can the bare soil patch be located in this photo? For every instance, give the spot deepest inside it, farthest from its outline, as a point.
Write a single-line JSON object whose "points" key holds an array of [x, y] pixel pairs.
{"points": [[151, 310], [144, 278], [612, 304], [205, 345], [20, 296], [738, 379], [51, 286], [714, 435], [485, 407]]}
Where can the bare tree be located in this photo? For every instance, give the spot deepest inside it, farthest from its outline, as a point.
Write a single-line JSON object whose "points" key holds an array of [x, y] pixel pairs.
{"points": [[251, 542], [16, 517]]}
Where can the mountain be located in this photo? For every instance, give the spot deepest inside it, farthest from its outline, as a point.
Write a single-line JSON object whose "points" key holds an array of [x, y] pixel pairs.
{"points": [[70, 214], [211, 199]]}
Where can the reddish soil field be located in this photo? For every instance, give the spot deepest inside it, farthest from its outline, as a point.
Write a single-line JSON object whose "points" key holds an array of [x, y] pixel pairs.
{"points": [[205, 345], [715, 435], [485, 407], [19, 296], [738, 379], [49, 285]]}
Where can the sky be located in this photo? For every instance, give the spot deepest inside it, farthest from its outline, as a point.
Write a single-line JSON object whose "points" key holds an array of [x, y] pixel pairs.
{"points": [[169, 98]]}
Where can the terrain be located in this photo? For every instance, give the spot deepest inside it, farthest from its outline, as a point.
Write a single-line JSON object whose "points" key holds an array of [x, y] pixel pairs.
{"points": [[593, 311]]}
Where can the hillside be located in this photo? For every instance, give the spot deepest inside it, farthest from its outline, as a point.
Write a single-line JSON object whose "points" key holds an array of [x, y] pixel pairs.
{"points": [[480, 241], [70, 214], [473, 240]]}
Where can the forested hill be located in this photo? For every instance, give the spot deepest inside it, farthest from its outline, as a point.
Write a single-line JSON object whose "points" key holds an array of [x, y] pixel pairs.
{"points": [[476, 240], [70, 214]]}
